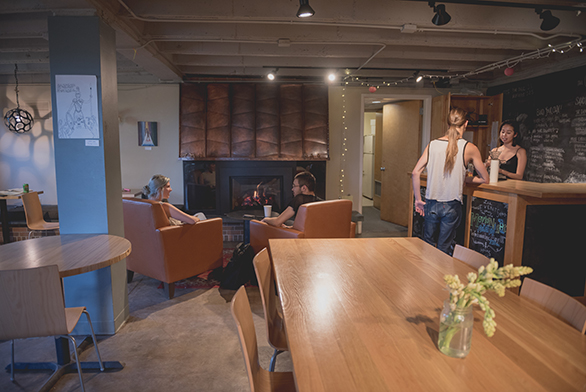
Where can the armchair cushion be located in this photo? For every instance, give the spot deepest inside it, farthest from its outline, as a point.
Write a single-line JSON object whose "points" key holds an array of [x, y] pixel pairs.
{"points": [[169, 253], [322, 219]]}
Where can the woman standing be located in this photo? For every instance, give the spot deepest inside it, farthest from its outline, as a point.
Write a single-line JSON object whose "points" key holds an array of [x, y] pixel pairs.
{"points": [[512, 156], [446, 160], [158, 189]]}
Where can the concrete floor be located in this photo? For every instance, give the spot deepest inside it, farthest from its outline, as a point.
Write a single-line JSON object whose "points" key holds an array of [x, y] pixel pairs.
{"points": [[189, 343]]}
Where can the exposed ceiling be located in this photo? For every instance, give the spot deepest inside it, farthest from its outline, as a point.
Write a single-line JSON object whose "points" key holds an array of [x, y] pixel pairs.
{"points": [[378, 42]]}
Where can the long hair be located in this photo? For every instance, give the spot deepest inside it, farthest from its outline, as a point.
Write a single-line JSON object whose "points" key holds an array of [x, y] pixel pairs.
{"points": [[456, 119], [155, 186], [516, 134]]}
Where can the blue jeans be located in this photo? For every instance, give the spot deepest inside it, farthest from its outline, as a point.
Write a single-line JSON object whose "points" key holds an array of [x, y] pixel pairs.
{"points": [[441, 221]]}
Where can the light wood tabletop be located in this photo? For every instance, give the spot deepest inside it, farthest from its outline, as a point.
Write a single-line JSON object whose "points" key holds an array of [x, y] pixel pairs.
{"points": [[363, 315], [73, 253]]}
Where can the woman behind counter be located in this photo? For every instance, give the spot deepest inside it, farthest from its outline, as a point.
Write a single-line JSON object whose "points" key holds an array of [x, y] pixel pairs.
{"points": [[158, 189], [512, 156]]}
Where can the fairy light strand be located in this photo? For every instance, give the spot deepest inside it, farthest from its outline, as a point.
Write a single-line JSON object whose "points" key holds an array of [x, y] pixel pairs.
{"points": [[344, 149]]}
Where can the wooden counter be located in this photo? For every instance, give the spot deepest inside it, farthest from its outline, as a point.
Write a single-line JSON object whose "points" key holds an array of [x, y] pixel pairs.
{"points": [[518, 195]]}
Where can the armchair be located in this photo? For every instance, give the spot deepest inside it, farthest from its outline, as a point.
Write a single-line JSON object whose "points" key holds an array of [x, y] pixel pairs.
{"points": [[322, 219], [169, 253]]}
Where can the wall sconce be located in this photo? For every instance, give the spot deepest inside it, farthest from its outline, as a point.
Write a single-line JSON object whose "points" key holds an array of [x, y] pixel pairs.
{"points": [[18, 120]]}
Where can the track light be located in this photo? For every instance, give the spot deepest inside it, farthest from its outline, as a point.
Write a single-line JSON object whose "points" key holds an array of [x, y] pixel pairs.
{"points": [[273, 74], [441, 17], [418, 78], [305, 10], [550, 22]]}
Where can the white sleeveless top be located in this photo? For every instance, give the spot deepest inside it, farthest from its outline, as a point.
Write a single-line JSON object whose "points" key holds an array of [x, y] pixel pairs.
{"points": [[445, 186]]}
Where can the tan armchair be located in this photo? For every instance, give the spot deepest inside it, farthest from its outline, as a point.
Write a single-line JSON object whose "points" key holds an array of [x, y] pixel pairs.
{"points": [[322, 219], [169, 253]]}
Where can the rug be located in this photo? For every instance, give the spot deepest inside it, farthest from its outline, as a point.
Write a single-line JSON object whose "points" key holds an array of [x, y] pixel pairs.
{"points": [[204, 281]]}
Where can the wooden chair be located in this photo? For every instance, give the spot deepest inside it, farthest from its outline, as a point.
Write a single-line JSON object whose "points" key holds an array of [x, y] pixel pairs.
{"points": [[470, 257], [259, 378], [555, 302], [34, 214], [31, 305], [273, 319]]}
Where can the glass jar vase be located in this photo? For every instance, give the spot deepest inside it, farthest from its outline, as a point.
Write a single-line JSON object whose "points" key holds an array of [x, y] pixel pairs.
{"points": [[455, 332]]}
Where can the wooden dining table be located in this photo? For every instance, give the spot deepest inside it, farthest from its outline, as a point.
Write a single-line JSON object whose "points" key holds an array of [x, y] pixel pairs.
{"points": [[73, 254], [363, 315]]}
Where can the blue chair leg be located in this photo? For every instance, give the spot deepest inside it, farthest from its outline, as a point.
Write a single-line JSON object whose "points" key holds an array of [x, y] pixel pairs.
{"points": [[274, 360]]}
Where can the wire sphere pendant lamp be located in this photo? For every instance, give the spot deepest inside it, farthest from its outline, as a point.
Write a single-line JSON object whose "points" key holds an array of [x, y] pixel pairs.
{"points": [[18, 120]]}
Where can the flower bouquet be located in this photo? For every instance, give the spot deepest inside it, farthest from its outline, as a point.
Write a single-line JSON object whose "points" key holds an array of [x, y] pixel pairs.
{"points": [[456, 319]]}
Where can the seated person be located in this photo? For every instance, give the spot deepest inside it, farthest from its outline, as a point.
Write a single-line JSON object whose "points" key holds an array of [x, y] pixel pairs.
{"points": [[303, 192], [158, 189]]}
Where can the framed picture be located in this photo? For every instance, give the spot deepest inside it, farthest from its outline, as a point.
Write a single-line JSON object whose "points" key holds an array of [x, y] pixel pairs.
{"points": [[147, 134]]}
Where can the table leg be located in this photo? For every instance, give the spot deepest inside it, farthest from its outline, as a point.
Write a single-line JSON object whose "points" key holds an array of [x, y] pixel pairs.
{"points": [[5, 224], [64, 365]]}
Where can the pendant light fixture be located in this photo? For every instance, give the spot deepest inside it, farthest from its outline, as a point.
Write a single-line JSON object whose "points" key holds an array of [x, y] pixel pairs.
{"points": [[18, 120], [305, 10]]}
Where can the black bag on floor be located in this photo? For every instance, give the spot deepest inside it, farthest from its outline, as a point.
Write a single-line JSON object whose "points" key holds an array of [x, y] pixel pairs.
{"points": [[240, 269]]}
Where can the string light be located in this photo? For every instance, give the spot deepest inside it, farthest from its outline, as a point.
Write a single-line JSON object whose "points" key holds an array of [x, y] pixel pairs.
{"points": [[344, 140], [562, 48]]}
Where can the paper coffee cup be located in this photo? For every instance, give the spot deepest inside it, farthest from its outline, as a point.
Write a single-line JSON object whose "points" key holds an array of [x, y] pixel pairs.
{"points": [[494, 171], [268, 210]]}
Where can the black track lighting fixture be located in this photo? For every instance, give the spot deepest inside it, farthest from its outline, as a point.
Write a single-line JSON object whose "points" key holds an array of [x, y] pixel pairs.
{"points": [[441, 17], [305, 10], [550, 22]]}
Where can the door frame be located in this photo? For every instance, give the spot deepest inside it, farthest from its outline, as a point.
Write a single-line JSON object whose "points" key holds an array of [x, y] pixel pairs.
{"points": [[425, 125]]}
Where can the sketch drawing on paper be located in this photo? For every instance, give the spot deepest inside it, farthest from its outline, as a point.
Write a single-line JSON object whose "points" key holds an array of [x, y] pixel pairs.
{"points": [[77, 107]]}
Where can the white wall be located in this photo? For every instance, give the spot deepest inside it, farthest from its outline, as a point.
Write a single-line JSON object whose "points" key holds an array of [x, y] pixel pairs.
{"points": [[158, 103], [29, 158], [353, 119]]}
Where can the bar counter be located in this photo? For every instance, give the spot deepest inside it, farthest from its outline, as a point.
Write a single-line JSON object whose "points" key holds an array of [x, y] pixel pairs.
{"points": [[529, 240]]}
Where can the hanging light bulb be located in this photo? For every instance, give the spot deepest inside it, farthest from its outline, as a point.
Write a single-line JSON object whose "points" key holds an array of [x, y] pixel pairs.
{"points": [[18, 120]]}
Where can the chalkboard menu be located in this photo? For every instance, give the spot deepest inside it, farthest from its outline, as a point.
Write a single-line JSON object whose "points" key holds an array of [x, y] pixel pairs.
{"points": [[488, 228], [551, 110]]}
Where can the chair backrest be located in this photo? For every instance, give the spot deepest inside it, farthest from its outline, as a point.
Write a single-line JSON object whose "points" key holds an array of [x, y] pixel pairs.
{"points": [[470, 257], [31, 303], [32, 208], [555, 302], [243, 317], [264, 274], [325, 219]]}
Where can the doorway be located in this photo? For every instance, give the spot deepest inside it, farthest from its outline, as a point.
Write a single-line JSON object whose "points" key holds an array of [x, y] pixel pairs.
{"points": [[399, 127]]}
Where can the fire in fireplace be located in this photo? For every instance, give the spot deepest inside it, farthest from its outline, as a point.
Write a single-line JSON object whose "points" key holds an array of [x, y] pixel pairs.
{"points": [[252, 192]]}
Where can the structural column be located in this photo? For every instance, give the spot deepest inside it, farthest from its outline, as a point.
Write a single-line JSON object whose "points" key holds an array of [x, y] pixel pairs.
{"points": [[87, 158]]}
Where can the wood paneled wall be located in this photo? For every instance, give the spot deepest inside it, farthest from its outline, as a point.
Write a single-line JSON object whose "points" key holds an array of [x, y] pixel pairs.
{"points": [[254, 121]]}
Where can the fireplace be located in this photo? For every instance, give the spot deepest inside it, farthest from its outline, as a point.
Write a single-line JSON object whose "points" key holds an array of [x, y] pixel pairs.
{"points": [[253, 192]]}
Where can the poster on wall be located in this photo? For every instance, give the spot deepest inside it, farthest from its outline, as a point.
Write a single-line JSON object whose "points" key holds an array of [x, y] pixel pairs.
{"points": [[77, 107], [147, 133]]}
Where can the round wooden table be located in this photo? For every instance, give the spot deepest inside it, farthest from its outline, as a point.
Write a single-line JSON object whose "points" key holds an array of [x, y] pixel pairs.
{"points": [[73, 253]]}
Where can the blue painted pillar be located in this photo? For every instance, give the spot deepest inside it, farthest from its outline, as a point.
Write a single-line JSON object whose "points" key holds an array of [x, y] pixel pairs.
{"points": [[87, 158]]}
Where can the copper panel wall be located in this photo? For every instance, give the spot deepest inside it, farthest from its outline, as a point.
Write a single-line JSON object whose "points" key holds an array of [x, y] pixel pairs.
{"points": [[267, 121], [218, 121], [291, 120], [192, 117], [243, 120], [315, 114], [254, 121]]}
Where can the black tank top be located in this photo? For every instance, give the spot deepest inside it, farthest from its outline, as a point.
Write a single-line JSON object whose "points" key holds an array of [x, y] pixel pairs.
{"points": [[511, 164]]}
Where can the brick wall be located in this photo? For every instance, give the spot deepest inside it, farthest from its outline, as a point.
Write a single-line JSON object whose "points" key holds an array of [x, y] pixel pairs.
{"points": [[233, 231]]}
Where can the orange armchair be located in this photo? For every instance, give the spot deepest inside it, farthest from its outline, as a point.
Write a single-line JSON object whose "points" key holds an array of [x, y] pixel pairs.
{"points": [[322, 219], [169, 253]]}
